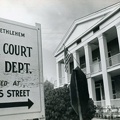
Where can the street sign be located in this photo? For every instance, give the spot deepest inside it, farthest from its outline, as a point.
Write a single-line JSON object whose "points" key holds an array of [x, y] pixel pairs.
{"points": [[79, 91], [28, 104], [21, 73]]}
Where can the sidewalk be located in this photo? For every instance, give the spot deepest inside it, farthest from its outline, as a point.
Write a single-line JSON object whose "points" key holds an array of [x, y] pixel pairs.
{"points": [[98, 119], [105, 119]]}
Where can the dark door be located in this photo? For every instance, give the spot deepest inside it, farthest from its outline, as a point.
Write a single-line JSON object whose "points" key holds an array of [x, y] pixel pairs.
{"points": [[98, 94]]}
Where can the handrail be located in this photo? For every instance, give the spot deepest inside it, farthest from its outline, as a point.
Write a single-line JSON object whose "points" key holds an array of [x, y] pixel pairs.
{"points": [[82, 66], [95, 67], [113, 60]]}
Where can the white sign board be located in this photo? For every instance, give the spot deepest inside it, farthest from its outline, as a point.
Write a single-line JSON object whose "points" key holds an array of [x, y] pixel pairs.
{"points": [[21, 79]]}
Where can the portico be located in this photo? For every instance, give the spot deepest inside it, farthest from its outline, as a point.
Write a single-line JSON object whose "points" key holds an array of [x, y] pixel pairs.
{"points": [[96, 50]]}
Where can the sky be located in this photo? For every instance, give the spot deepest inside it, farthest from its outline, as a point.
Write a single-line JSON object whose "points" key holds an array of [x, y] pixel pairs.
{"points": [[55, 17]]}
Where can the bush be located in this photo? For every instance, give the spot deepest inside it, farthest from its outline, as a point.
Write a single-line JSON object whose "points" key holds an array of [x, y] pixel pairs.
{"points": [[58, 106], [90, 113], [48, 86]]}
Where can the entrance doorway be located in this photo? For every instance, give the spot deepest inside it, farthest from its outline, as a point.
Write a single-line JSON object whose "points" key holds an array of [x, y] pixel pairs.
{"points": [[99, 91], [98, 94]]}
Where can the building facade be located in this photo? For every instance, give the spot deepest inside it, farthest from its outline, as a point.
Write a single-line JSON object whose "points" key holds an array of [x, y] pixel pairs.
{"points": [[94, 42]]}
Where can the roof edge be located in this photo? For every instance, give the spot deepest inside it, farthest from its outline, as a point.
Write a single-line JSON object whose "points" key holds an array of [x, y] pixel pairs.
{"points": [[85, 19]]}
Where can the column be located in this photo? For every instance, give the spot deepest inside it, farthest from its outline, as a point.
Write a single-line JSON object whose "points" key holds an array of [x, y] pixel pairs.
{"points": [[106, 77], [118, 33], [88, 59], [58, 69], [76, 59], [91, 87], [66, 77]]}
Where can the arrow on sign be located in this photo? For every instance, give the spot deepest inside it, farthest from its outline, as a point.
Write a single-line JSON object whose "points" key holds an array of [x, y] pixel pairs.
{"points": [[28, 103]]}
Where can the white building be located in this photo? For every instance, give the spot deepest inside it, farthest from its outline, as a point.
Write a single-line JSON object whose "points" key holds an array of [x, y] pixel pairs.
{"points": [[94, 42]]}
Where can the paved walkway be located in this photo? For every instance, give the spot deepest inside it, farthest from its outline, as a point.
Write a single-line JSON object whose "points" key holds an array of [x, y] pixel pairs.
{"points": [[98, 119], [105, 119]]}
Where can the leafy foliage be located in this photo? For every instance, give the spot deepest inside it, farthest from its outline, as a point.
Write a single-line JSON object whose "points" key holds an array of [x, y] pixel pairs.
{"points": [[91, 110], [48, 87], [58, 106]]}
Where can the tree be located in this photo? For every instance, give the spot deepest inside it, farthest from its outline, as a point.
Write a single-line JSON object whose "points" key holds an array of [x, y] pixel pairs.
{"points": [[48, 87]]}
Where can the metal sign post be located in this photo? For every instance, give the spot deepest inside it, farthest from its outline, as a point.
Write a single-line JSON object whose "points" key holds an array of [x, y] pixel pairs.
{"points": [[78, 100], [79, 92]]}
